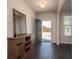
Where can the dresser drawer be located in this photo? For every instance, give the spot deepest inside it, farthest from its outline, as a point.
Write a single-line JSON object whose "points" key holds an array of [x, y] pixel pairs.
{"points": [[20, 50], [20, 41]]}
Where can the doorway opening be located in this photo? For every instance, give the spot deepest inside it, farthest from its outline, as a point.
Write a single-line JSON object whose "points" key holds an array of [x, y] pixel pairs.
{"points": [[46, 31]]}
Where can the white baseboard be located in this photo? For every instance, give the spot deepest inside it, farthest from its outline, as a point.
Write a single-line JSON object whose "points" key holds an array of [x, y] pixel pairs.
{"points": [[65, 42], [54, 42], [62, 42]]}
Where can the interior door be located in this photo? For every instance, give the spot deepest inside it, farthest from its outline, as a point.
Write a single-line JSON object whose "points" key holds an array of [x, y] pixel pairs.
{"points": [[38, 30]]}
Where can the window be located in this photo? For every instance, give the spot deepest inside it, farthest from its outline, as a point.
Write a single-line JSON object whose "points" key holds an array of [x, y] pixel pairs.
{"points": [[67, 25]]}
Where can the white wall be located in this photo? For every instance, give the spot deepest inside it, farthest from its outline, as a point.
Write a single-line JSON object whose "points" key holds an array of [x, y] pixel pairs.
{"points": [[50, 16], [21, 6], [62, 37]]}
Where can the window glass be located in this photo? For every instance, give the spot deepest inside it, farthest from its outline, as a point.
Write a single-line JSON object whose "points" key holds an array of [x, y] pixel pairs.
{"points": [[67, 25]]}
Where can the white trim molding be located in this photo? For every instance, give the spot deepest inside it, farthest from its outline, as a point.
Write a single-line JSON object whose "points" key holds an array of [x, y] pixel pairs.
{"points": [[65, 42], [57, 28], [61, 3]]}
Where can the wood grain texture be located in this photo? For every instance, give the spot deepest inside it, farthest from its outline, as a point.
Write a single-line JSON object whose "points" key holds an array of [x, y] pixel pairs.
{"points": [[47, 50], [19, 46]]}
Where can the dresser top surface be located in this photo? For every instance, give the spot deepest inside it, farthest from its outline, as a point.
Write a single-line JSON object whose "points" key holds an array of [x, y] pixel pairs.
{"points": [[20, 36]]}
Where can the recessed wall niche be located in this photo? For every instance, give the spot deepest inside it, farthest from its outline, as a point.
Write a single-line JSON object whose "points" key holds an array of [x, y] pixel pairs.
{"points": [[19, 23]]}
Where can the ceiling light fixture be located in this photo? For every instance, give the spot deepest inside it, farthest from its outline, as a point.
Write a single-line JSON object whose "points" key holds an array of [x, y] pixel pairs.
{"points": [[43, 3]]}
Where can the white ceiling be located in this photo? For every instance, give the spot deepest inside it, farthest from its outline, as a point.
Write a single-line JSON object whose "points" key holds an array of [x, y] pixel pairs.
{"points": [[67, 5], [52, 5]]}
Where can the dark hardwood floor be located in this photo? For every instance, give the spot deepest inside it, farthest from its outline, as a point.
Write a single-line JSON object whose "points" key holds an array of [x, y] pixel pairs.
{"points": [[47, 50]]}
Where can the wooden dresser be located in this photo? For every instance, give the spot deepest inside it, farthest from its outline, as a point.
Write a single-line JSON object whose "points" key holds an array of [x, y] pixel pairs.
{"points": [[19, 47]]}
